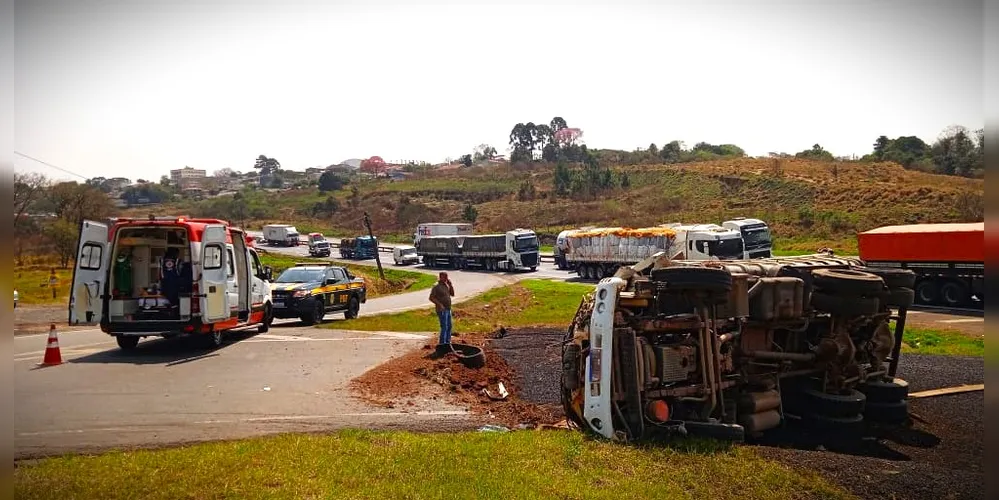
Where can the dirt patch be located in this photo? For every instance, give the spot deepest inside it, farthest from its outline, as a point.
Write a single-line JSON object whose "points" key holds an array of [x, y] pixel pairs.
{"points": [[512, 358]]}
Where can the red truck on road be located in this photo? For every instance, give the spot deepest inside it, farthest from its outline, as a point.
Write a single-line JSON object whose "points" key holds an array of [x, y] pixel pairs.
{"points": [[948, 259]]}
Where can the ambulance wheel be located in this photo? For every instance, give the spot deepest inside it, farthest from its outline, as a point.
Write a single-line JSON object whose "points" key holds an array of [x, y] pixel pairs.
{"points": [[268, 319], [214, 339], [353, 307], [127, 343]]}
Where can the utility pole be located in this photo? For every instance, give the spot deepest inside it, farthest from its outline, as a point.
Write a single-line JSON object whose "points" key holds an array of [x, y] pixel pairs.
{"points": [[378, 260]]}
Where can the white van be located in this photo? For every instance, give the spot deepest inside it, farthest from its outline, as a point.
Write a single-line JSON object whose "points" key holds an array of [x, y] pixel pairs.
{"points": [[168, 276], [405, 255]]}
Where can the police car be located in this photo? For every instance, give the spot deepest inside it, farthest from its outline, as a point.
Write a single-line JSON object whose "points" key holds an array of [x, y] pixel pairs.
{"points": [[310, 291]]}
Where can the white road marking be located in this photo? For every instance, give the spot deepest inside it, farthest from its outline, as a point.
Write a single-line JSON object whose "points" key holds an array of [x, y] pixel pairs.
{"points": [[46, 334], [964, 320], [403, 335], [276, 418]]}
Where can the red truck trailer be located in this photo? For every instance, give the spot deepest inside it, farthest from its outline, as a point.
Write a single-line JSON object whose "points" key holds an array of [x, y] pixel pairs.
{"points": [[948, 259]]}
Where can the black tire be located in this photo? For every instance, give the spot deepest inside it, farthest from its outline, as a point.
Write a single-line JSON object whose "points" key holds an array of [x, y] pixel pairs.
{"points": [[268, 319], [214, 339], [316, 315], [353, 307], [847, 281], [845, 305], [889, 413], [893, 278], [900, 297], [719, 431], [127, 342], [534, 268], [707, 279], [853, 424], [833, 405], [954, 294], [884, 390], [927, 292], [469, 355]]}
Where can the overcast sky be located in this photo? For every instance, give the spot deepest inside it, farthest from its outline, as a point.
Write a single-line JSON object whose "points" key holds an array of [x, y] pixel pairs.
{"points": [[135, 88]]}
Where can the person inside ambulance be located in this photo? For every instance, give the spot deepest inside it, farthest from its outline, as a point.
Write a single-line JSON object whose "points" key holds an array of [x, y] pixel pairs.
{"points": [[175, 276]]}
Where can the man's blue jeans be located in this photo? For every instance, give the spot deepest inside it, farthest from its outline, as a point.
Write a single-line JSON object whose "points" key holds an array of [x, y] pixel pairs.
{"points": [[445, 318]]}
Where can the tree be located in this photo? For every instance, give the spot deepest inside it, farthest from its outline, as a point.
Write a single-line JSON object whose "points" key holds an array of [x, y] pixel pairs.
{"points": [[266, 165], [470, 214], [28, 187], [329, 181], [563, 179], [543, 137], [625, 180], [880, 146], [326, 208], [955, 153], [557, 123], [527, 191], [164, 181], [672, 152], [354, 200], [484, 152], [653, 150], [466, 160], [62, 234], [225, 173], [74, 202], [816, 153]]}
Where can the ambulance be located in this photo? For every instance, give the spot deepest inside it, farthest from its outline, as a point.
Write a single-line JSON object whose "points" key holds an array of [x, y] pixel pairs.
{"points": [[168, 276]]}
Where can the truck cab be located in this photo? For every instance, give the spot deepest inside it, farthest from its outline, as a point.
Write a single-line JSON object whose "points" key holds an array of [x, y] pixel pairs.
{"points": [[706, 242], [168, 276], [755, 237], [523, 248], [318, 245]]}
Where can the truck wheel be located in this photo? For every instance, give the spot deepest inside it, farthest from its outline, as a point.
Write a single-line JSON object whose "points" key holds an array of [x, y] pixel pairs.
{"points": [[853, 424], [845, 305], [534, 268], [893, 278], [127, 343], [353, 306], [927, 292], [889, 413], [847, 404], [268, 319], [954, 294], [847, 281], [881, 390], [716, 281], [900, 297]]}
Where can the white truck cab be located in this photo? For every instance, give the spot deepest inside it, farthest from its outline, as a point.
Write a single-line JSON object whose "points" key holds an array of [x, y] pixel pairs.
{"points": [[706, 242], [755, 237], [168, 276], [405, 255]]}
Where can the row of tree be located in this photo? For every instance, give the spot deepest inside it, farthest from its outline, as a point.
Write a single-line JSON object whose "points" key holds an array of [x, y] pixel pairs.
{"points": [[556, 141], [955, 152]]}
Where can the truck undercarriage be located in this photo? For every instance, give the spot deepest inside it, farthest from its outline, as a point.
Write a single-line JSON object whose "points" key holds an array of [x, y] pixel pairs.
{"points": [[733, 349]]}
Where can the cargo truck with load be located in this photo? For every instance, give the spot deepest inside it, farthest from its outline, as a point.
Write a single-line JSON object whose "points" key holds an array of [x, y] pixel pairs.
{"points": [[947, 259], [598, 253], [281, 234], [360, 248], [509, 251], [733, 349]]}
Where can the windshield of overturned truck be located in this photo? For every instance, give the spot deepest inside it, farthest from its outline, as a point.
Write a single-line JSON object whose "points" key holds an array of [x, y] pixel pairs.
{"points": [[723, 249], [525, 243]]}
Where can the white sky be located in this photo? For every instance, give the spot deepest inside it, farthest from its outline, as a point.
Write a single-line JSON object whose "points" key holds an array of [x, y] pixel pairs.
{"points": [[133, 89]]}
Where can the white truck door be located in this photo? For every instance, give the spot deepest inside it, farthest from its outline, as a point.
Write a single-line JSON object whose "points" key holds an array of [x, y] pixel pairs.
{"points": [[232, 290], [214, 300], [93, 258]]}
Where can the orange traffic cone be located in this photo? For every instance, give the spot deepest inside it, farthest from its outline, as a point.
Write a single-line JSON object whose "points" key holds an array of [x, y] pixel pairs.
{"points": [[52, 354]]}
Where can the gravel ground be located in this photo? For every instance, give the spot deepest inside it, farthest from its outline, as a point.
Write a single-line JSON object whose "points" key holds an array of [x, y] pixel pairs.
{"points": [[940, 456]]}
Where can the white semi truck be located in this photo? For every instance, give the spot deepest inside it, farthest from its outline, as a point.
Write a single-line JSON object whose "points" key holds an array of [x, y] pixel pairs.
{"points": [[598, 253], [755, 237], [281, 234], [492, 252]]}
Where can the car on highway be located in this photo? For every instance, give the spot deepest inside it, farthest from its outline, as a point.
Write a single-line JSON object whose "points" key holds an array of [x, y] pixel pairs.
{"points": [[405, 255], [309, 291]]}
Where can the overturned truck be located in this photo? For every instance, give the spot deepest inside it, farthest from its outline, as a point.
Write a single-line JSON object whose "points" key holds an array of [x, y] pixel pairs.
{"points": [[733, 349]]}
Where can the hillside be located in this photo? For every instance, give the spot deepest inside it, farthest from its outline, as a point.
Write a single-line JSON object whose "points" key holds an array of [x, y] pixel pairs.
{"points": [[809, 203]]}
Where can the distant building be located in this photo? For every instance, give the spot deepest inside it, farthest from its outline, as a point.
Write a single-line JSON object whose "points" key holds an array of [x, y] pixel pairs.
{"points": [[187, 177]]}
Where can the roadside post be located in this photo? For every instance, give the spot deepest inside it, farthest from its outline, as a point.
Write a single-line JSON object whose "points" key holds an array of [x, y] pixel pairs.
{"points": [[378, 260]]}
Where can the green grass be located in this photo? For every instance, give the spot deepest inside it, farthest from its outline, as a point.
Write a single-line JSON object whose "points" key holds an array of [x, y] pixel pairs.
{"points": [[941, 342], [32, 285], [396, 280], [527, 303], [363, 464], [547, 248]]}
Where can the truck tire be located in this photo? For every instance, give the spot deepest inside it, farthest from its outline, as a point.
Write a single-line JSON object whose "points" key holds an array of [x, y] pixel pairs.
{"points": [[927, 292], [845, 305], [954, 294], [316, 315], [353, 307], [851, 425], [900, 297], [127, 342], [847, 281], [214, 339], [889, 413], [706, 279], [893, 278], [847, 404], [884, 390], [268, 319]]}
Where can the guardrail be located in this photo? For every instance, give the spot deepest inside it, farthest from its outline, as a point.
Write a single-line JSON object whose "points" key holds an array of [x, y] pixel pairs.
{"points": [[545, 257]]}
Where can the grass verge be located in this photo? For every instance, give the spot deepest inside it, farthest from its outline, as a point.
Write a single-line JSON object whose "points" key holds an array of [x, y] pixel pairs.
{"points": [[396, 280], [527, 303], [365, 464], [941, 342]]}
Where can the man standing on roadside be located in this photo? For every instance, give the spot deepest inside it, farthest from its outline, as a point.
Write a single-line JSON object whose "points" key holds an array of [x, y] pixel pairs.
{"points": [[441, 295]]}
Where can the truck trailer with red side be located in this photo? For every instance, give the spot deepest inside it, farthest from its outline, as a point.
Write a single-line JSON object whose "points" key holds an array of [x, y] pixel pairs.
{"points": [[948, 259]]}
